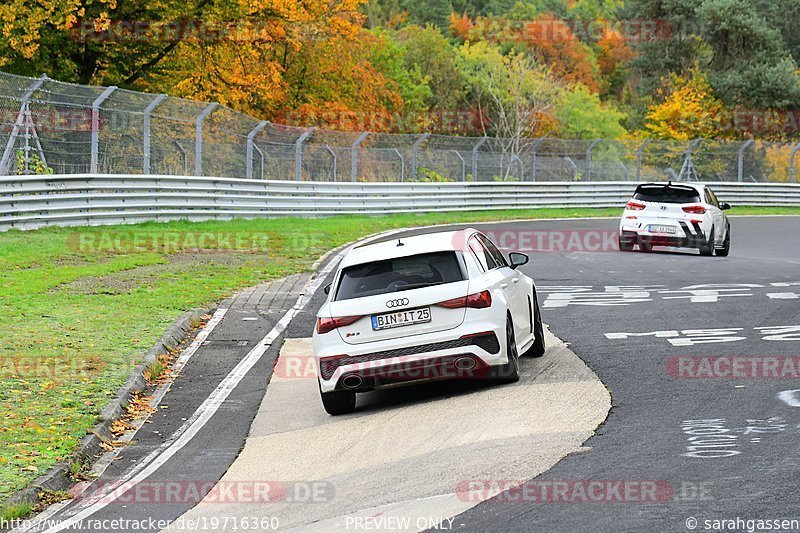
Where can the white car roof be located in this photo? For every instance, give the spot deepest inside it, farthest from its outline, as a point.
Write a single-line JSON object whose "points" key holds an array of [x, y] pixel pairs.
{"points": [[387, 248], [699, 187]]}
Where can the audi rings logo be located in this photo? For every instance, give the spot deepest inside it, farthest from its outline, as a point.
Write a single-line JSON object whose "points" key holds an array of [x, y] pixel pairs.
{"points": [[400, 302]]}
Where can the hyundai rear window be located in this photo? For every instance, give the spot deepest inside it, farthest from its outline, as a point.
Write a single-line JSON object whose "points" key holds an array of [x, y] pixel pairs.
{"points": [[399, 274], [667, 195]]}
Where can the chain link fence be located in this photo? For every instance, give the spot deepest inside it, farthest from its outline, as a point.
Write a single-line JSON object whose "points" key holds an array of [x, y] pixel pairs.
{"points": [[46, 125]]}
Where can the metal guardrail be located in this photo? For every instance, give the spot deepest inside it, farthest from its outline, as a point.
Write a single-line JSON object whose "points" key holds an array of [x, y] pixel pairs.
{"points": [[34, 201]]}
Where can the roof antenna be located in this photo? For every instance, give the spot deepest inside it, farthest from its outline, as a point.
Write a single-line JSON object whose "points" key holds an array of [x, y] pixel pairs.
{"points": [[400, 243]]}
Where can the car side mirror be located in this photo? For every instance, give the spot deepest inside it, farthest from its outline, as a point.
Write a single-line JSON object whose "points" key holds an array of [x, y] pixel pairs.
{"points": [[518, 259], [724, 206], [327, 288]]}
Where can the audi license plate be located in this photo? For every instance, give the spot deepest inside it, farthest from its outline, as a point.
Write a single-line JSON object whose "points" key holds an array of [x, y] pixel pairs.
{"points": [[401, 318], [654, 228]]}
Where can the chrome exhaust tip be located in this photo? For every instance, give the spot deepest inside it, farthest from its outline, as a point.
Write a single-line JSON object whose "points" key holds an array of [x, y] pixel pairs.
{"points": [[352, 381], [464, 363]]}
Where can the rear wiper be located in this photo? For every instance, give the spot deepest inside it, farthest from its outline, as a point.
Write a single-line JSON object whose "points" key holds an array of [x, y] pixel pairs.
{"points": [[416, 286]]}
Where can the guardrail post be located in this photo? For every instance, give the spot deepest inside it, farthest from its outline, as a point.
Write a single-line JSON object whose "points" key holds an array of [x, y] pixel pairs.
{"points": [[415, 153], [534, 147], [791, 162], [147, 112], [589, 158], [639, 159], [4, 161], [298, 153], [740, 170], [96, 127], [249, 151], [198, 138], [475, 149], [333, 154], [354, 156], [402, 164]]}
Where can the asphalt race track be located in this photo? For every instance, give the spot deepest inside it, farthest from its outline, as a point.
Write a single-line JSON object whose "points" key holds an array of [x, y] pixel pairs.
{"points": [[701, 356]]}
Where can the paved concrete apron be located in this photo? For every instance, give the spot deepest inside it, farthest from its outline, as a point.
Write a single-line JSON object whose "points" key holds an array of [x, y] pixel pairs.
{"points": [[402, 461]]}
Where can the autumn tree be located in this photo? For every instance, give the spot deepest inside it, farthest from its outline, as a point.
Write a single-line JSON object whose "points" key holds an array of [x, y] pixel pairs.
{"points": [[553, 43], [613, 60], [581, 115], [689, 110], [513, 92]]}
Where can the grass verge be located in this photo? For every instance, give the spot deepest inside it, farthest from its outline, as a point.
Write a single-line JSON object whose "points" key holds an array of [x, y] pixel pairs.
{"points": [[82, 305]]}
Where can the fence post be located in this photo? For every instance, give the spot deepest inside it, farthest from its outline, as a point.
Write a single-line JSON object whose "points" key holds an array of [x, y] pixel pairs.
{"points": [[249, 151], [402, 164], [740, 172], [354, 156], [4, 161], [475, 149], [261, 155], [333, 154], [298, 153], [534, 147], [414, 153], [463, 166], [791, 161], [198, 138], [574, 167], [521, 166], [147, 112], [96, 127], [182, 152], [589, 159], [639, 159]]}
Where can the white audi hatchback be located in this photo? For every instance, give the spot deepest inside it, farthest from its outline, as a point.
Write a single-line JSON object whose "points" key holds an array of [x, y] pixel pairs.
{"points": [[423, 308]]}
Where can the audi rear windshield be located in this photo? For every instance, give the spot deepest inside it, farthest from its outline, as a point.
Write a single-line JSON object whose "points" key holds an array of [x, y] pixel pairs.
{"points": [[399, 274], [667, 194]]}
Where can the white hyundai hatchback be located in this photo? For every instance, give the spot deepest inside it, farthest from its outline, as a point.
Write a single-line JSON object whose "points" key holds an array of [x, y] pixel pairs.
{"points": [[684, 215], [422, 308]]}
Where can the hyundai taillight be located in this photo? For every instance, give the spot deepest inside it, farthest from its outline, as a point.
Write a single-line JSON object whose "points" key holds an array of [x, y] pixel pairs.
{"points": [[325, 324], [694, 209], [479, 300], [634, 206]]}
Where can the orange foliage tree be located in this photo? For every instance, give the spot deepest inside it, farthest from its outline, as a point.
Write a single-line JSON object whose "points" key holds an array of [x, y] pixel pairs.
{"points": [[612, 61], [552, 42], [300, 60]]}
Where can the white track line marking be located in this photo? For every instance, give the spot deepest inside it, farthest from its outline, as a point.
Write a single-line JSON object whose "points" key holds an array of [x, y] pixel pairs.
{"points": [[104, 462], [203, 414]]}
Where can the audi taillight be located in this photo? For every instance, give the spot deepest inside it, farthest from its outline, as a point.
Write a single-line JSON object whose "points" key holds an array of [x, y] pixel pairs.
{"points": [[694, 209], [634, 206], [478, 300], [325, 324]]}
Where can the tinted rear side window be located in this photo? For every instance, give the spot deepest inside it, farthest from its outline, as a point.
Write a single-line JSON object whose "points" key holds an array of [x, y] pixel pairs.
{"points": [[667, 195], [399, 274]]}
